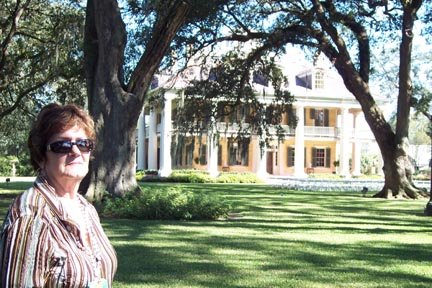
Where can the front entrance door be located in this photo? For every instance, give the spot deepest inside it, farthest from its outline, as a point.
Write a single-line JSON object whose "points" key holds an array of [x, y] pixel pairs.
{"points": [[270, 162]]}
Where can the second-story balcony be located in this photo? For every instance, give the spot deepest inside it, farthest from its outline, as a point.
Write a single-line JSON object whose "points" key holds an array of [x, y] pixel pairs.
{"points": [[309, 131], [224, 127], [321, 132]]}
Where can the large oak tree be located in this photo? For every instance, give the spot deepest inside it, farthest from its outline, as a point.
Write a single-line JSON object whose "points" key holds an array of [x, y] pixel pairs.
{"points": [[115, 99], [342, 30], [346, 33]]}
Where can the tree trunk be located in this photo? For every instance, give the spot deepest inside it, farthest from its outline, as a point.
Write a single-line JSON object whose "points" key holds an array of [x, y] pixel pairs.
{"points": [[428, 208], [398, 170], [397, 166], [114, 106], [393, 146], [112, 168]]}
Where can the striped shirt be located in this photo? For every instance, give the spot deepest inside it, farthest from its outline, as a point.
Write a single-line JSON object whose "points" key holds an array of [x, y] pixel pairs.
{"points": [[41, 246]]}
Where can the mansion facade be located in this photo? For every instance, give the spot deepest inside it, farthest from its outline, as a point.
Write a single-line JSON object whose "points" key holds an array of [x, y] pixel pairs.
{"points": [[329, 136]]}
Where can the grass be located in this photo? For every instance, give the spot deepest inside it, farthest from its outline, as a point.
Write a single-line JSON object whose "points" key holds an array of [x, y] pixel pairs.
{"points": [[278, 238]]}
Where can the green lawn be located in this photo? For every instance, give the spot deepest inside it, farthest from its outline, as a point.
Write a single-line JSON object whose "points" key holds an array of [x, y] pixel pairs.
{"points": [[278, 238]]}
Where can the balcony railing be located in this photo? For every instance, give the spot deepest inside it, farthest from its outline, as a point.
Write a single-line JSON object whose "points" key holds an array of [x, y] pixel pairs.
{"points": [[309, 131], [322, 132], [234, 127]]}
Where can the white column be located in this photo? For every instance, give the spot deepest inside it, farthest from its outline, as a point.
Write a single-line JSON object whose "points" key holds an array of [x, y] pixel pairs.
{"points": [[279, 159], [357, 146], [152, 143], [141, 141], [344, 146], [299, 144], [212, 155], [357, 157], [165, 137], [261, 157]]}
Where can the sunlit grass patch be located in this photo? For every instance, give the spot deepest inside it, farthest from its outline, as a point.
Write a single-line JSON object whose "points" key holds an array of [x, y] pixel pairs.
{"points": [[279, 238]]}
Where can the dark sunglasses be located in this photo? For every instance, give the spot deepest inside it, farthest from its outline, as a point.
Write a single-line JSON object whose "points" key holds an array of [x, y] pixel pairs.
{"points": [[65, 146]]}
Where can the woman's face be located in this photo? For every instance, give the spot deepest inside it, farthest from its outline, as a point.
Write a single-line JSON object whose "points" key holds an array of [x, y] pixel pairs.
{"points": [[67, 166]]}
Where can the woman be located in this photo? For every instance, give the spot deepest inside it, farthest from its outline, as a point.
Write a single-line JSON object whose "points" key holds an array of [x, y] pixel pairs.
{"points": [[52, 236]]}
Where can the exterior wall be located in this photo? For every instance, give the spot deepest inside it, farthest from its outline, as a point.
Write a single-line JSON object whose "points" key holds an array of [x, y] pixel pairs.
{"points": [[333, 115], [278, 164], [337, 131], [223, 146], [223, 142], [309, 144], [278, 152]]}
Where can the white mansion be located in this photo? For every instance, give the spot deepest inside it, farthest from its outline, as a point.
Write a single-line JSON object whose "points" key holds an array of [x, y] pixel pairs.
{"points": [[329, 136]]}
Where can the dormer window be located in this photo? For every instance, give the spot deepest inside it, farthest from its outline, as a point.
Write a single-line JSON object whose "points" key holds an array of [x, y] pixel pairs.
{"points": [[319, 79]]}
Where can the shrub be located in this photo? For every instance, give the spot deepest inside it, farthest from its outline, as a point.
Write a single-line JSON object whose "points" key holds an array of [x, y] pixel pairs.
{"points": [[189, 176], [167, 203], [5, 166], [142, 174], [232, 177], [198, 176], [24, 168]]}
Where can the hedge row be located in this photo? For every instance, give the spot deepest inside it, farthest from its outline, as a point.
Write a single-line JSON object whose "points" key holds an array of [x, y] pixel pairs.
{"points": [[196, 176]]}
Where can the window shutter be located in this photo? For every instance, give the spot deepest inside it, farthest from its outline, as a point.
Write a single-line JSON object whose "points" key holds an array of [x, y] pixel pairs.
{"points": [[203, 156], [231, 153], [290, 162], [305, 156], [328, 157], [312, 113], [219, 155], [245, 153], [313, 156], [326, 117]]}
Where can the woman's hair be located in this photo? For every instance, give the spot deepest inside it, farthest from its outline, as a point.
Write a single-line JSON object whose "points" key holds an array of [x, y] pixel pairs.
{"points": [[53, 119]]}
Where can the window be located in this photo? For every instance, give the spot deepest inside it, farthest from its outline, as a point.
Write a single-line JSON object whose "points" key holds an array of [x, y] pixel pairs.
{"points": [[203, 154], [245, 113], [319, 80], [240, 114], [291, 157], [321, 157], [290, 116], [238, 152], [320, 116], [189, 154], [220, 155]]}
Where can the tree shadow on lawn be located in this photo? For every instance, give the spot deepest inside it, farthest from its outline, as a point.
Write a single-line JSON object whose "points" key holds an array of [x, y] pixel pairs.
{"points": [[357, 265], [195, 257], [352, 216], [185, 252]]}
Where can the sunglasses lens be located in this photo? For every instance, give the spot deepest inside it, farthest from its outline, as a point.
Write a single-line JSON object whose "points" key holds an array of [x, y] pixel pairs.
{"points": [[61, 147], [84, 145]]}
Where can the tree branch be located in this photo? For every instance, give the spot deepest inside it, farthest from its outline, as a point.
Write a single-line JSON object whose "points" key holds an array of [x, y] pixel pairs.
{"points": [[21, 96], [164, 31], [14, 26]]}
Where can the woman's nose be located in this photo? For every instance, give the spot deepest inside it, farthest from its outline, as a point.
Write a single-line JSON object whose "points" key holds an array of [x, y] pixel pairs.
{"points": [[75, 149]]}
